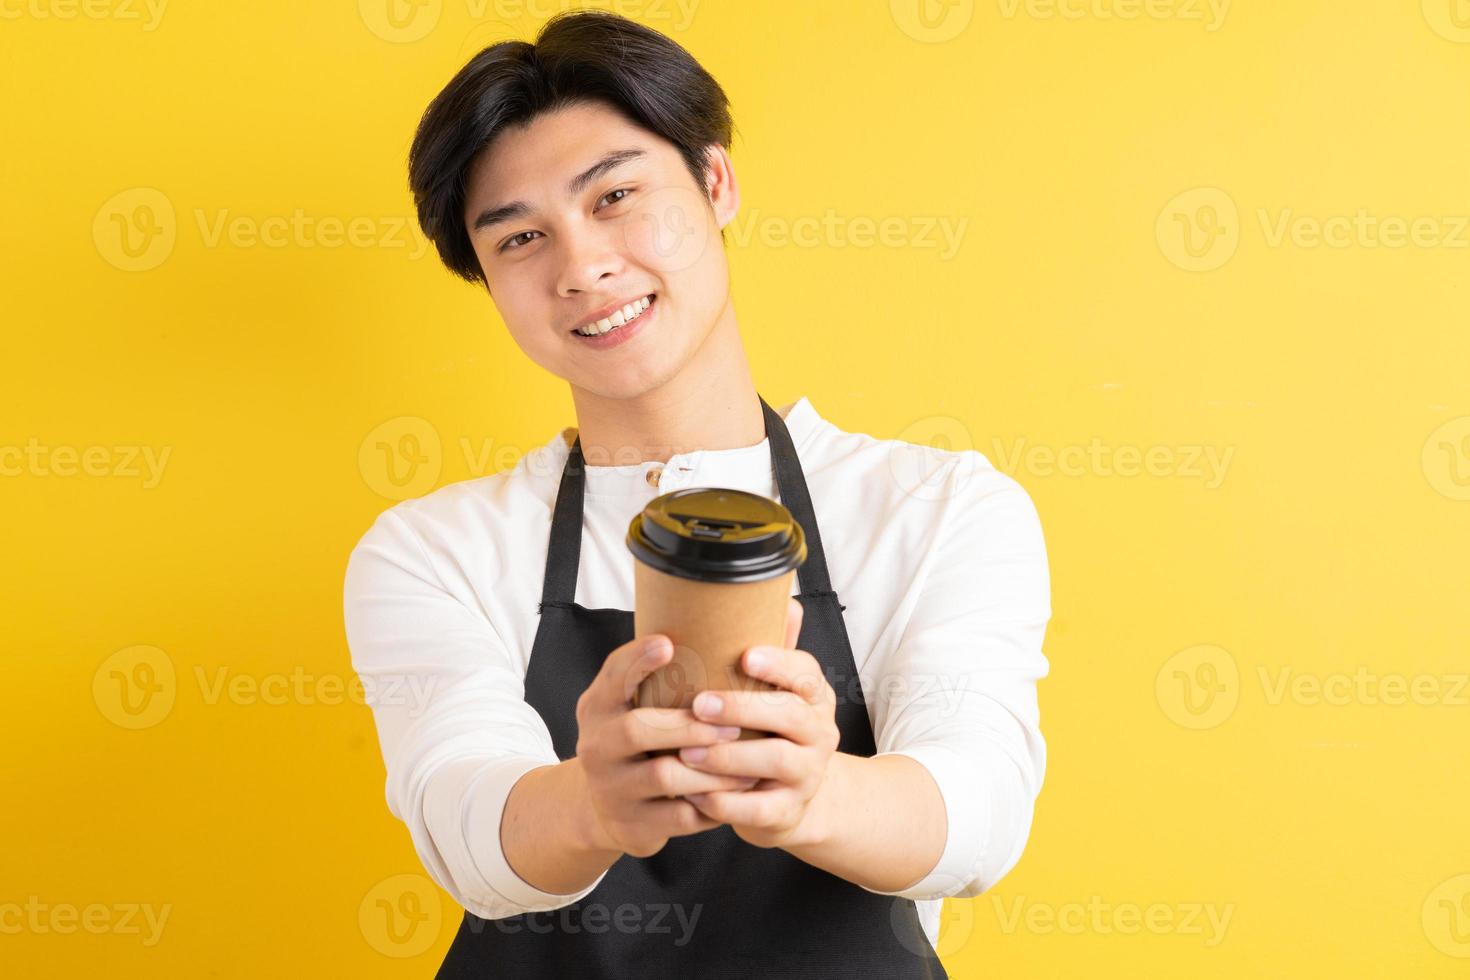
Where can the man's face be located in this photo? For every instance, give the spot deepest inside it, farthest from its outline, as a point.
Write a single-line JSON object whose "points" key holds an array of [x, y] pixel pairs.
{"points": [[639, 227]]}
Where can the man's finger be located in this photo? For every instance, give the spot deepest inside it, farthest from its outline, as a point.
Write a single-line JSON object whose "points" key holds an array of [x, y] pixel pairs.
{"points": [[677, 817], [789, 670], [625, 668], [753, 808], [665, 776], [778, 712], [761, 758], [648, 729]]}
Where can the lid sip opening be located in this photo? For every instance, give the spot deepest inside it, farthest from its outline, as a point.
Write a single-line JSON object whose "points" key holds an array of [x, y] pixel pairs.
{"points": [[717, 534]]}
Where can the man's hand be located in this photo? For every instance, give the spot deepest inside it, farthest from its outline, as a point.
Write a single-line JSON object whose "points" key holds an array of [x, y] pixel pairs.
{"points": [[791, 765], [630, 792]]}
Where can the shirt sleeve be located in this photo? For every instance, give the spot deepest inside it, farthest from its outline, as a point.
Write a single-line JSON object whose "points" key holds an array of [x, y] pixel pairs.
{"points": [[959, 692], [449, 704]]}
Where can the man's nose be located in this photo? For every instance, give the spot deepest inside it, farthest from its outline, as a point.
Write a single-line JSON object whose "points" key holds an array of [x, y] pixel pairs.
{"points": [[588, 260]]}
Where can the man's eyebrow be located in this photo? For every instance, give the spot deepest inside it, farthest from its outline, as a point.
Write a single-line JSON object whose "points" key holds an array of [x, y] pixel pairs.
{"points": [[516, 209]]}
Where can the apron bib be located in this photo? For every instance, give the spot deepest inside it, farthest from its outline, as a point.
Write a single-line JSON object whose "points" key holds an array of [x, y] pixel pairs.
{"points": [[708, 906]]}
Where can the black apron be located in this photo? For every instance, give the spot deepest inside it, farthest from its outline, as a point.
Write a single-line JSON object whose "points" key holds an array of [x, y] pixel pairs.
{"points": [[708, 906]]}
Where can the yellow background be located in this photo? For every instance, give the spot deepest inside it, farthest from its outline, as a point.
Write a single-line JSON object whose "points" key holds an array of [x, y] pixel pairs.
{"points": [[1078, 150]]}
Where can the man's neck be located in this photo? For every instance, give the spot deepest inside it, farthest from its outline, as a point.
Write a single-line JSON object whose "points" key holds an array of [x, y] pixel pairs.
{"points": [[711, 404]]}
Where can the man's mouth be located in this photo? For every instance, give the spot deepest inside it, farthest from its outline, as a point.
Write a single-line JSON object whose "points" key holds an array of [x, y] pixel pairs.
{"points": [[627, 314]]}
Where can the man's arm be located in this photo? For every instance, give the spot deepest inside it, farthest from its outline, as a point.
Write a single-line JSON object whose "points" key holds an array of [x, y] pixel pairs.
{"points": [[945, 806], [496, 819], [549, 831], [456, 733], [878, 822], [958, 694]]}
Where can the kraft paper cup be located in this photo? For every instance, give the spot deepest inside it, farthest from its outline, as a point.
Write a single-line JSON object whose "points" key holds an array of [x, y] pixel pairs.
{"points": [[714, 571]]}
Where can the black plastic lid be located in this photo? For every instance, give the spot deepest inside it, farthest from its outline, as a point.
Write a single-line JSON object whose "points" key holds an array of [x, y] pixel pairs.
{"points": [[715, 534]]}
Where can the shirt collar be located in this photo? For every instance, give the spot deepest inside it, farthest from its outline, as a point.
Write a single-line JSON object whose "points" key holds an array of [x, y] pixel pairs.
{"points": [[742, 468]]}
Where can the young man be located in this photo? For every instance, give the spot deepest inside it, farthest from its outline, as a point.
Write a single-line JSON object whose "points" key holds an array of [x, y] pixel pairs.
{"points": [[586, 181]]}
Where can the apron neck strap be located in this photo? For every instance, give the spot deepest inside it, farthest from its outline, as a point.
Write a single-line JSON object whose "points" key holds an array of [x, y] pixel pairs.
{"points": [[791, 485], [565, 548]]}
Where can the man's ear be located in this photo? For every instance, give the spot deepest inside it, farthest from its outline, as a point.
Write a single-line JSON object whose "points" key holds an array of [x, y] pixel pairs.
{"points": [[721, 187]]}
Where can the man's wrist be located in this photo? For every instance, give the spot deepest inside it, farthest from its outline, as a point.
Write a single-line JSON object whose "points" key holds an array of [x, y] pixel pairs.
{"points": [[818, 824], [592, 837]]}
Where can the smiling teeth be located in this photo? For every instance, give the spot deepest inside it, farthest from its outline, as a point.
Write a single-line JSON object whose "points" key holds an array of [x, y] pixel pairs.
{"points": [[618, 318]]}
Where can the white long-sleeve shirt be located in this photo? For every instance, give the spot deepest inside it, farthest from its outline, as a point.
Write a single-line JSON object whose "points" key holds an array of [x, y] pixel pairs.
{"points": [[938, 557]]}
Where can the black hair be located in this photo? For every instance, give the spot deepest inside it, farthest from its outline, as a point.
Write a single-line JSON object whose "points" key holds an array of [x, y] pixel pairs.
{"points": [[580, 56]]}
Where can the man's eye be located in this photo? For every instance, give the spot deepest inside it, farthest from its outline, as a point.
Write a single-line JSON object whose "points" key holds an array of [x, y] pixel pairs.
{"points": [[621, 190], [511, 243], [506, 245]]}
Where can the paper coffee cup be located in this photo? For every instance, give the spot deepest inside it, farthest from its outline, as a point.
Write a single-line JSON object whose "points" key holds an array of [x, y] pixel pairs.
{"points": [[713, 572]]}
